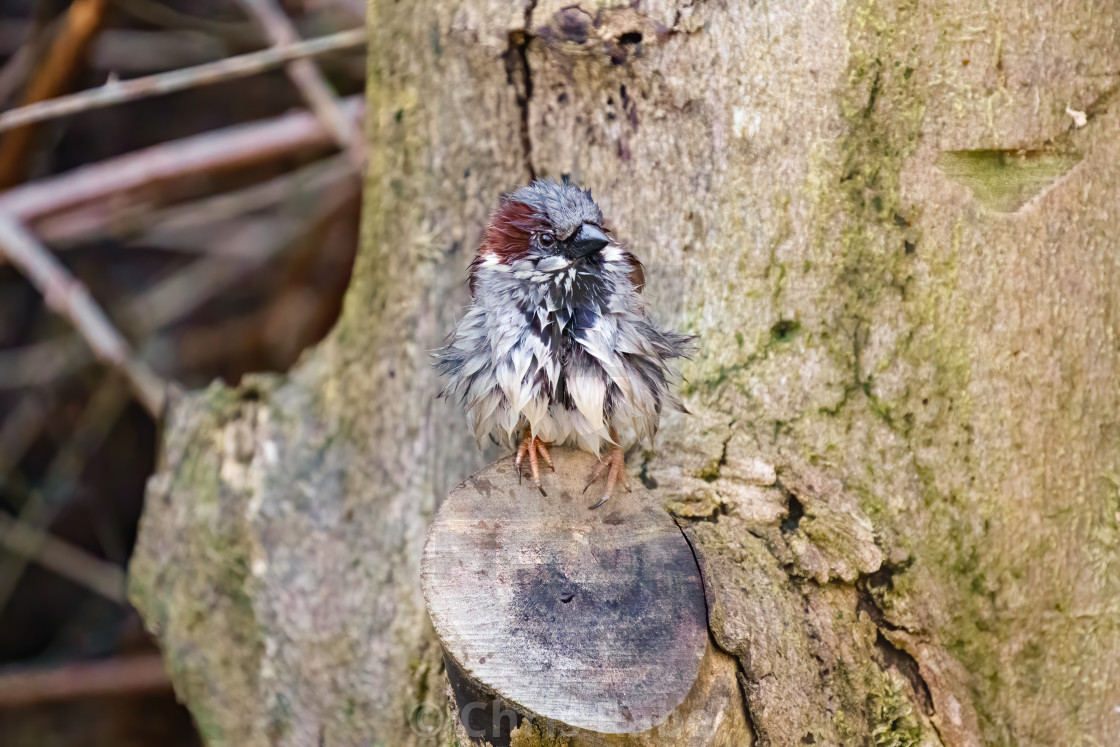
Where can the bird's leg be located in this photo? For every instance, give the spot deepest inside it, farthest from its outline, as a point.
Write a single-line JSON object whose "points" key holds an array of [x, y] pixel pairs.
{"points": [[535, 448], [520, 455], [542, 447], [614, 464]]}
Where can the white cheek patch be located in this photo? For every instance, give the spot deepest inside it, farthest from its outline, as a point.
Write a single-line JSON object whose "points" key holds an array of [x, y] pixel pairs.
{"points": [[612, 252]]}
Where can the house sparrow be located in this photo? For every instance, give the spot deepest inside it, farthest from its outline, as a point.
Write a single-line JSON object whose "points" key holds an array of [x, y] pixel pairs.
{"points": [[556, 346]]}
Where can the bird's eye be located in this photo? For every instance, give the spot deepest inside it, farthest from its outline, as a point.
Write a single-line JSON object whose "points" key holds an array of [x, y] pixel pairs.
{"points": [[546, 240]]}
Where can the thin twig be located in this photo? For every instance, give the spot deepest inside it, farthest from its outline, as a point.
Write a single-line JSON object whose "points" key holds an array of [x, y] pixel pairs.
{"points": [[171, 299], [120, 676], [68, 49], [178, 80], [64, 559], [70, 298], [196, 284], [15, 71], [155, 226], [229, 148], [308, 79]]}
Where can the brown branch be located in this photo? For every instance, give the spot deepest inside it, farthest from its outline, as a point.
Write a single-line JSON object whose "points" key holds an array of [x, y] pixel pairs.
{"points": [[15, 71], [120, 676], [69, 298], [196, 284], [42, 362], [83, 20], [157, 227], [178, 80], [308, 79], [68, 561], [230, 148]]}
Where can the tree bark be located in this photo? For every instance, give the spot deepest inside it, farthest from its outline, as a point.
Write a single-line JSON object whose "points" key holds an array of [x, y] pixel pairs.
{"points": [[902, 469]]}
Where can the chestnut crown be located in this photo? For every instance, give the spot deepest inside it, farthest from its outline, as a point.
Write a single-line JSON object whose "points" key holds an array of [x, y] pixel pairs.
{"points": [[546, 218]]}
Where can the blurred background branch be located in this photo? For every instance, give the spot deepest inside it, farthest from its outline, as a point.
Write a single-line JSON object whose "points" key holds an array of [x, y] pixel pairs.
{"points": [[66, 50], [119, 92], [183, 182], [70, 298]]}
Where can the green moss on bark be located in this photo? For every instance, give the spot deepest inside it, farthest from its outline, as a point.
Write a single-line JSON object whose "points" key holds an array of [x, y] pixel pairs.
{"points": [[210, 599]]}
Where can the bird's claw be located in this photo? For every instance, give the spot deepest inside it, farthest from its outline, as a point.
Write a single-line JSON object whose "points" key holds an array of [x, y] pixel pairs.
{"points": [[536, 449], [615, 466]]}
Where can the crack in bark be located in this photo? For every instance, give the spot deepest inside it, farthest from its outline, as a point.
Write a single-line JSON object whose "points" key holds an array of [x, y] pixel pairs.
{"points": [[796, 510], [744, 688], [741, 672], [892, 655], [703, 581], [520, 75], [711, 474]]}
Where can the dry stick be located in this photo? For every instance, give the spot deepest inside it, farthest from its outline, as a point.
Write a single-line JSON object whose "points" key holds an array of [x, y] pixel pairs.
{"points": [[168, 302], [308, 79], [17, 435], [83, 20], [119, 676], [196, 284], [178, 80], [68, 230], [70, 298], [68, 561], [41, 362], [230, 148], [16, 70]]}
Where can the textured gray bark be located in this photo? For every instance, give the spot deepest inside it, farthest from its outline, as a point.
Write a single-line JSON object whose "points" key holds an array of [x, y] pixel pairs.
{"points": [[897, 248]]}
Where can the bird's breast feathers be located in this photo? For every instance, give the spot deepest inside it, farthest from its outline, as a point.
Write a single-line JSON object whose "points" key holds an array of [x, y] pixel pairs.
{"points": [[561, 348]]}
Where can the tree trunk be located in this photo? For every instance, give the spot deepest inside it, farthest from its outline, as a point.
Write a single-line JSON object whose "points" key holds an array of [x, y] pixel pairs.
{"points": [[896, 246]]}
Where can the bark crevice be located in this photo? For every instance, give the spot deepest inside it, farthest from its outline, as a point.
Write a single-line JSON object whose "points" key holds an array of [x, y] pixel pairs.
{"points": [[519, 74]]}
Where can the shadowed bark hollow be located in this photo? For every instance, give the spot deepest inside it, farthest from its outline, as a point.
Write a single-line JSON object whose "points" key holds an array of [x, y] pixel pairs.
{"points": [[892, 227]]}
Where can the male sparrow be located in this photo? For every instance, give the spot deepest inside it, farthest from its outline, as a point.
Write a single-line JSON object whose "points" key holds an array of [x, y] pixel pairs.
{"points": [[556, 346]]}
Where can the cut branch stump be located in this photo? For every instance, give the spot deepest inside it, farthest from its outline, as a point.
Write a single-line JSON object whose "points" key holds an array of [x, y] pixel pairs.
{"points": [[579, 622]]}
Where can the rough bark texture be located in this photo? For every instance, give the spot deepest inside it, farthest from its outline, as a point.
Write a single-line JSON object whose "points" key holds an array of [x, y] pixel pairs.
{"points": [[902, 473]]}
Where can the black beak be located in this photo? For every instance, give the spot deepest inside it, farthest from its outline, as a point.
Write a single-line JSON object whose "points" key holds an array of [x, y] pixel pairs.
{"points": [[588, 241]]}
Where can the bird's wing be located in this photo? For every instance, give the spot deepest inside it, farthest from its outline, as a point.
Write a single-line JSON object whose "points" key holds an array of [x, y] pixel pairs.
{"points": [[637, 272]]}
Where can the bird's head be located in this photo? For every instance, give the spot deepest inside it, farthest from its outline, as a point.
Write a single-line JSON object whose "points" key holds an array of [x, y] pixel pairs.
{"points": [[552, 225]]}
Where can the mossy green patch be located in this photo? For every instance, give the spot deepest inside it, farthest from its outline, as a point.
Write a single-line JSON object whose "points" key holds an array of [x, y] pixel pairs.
{"points": [[1005, 180], [892, 717]]}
